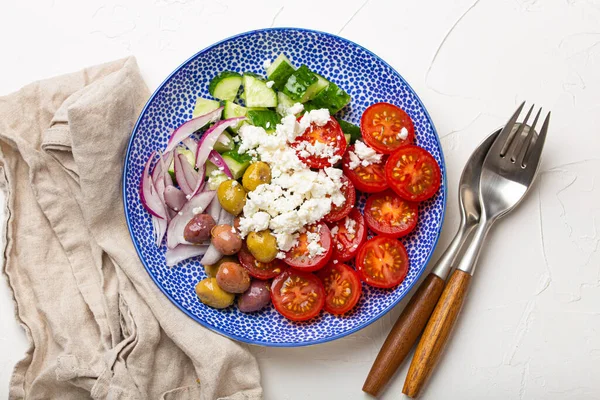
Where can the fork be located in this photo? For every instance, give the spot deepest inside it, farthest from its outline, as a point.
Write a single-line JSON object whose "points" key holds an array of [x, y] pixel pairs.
{"points": [[507, 173]]}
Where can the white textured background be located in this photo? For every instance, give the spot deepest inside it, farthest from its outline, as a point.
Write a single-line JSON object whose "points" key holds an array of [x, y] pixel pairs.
{"points": [[531, 325]]}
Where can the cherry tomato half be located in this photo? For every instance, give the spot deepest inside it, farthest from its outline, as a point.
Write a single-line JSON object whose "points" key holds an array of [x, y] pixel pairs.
{"points": [[347, 235], [382, 262], [327, 141], [257, 269], [342, 287], [388, 214], [413, 173], [297, 295], [339, 212], [369, 179], [299, 255], [383, 126]]}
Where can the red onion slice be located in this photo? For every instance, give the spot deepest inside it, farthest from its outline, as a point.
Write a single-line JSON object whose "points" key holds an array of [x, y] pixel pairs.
{"points": [[148, 193], [160, 228], [177, 225], [185, 130], [183, 252], [208, 140], [174, 198], [191, 144], [214, 209], [180, 176], [200, 183], [212, 256], [190, 174], [215, 158], [162, 168]]}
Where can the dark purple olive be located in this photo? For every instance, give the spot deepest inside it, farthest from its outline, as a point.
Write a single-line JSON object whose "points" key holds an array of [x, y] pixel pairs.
{"points": [[257, 297], [198, 229]]}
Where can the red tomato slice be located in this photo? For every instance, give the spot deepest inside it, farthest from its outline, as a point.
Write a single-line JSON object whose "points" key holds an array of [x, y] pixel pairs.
{"points": [[413, 173], [370, 179], [339, 212], [297, 295], [257, 269], [330, 135], [382, 262], [382, 126], [342, 287], [347, 235], [299, 256], [388, 214]]}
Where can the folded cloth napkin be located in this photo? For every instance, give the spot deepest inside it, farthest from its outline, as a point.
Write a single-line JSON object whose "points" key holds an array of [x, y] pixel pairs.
{"points": [[97, 325]]}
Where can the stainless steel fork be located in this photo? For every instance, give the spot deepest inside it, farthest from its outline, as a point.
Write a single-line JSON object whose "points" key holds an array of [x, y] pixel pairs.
{"points": [[507, 173]]}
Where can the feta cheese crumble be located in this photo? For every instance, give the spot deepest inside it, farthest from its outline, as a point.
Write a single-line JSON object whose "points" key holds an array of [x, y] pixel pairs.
{"points": [[350, 226], [313, 247], [297, 196], [270, 84], [403, 134], [363, 155], [266, 64]]}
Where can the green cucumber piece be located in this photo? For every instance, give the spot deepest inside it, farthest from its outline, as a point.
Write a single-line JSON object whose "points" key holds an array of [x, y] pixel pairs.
{"points": [[215, 179], [314, 89], [257, 93], [226, 85], [237, 163], [350, 129], [232, 110], [191, 157], [298, 83], [204, 106], [224, 143], [283, 103], [266, 119], [332, 98], [279, 71], [348, 138]]}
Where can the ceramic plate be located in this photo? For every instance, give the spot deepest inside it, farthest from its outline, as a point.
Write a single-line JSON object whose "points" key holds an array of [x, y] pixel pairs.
{"points": [[368, 79]]}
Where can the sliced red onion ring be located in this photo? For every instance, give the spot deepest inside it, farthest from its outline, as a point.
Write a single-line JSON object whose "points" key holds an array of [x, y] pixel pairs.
{"points": [[185, 130], [162, 168], [225, 218], [214, 209], [180, 176], [191, 144], [192, 177], [174, 198], [215, 158], [212, 256], [183, 252], [148, 193], [200, 183], [177, 225], [208, 140], [160, 228]]}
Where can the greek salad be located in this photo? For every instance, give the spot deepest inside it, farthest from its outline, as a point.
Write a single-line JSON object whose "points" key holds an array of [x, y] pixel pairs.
{"points": [[262, 185]]}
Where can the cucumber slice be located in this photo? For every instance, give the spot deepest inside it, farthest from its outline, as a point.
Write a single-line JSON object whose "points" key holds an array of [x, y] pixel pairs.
{"points": [[215, 179], [283, 103], [266, 119], [204, 106], [350, 129], [232, 110], [314, 89], [257, 93], [279, 71], [210, 168], [348, 138], [226, 85], [298, 83], [332, 98], [224, 143], [237, 163], [191, 157]]}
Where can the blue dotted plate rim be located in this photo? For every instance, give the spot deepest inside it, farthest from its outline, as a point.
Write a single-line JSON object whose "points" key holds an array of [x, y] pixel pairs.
{"points": [[217, 329]]}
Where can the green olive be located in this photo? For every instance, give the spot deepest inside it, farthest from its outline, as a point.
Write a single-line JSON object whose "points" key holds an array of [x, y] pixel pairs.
{"points": [[232, 196], [211, 270], [256, 174], [212, 295], [262, 245]]}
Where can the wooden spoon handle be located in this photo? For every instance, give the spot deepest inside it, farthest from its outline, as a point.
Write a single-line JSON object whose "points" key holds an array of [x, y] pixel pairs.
{"points": [[436, 333], [404, 334]]}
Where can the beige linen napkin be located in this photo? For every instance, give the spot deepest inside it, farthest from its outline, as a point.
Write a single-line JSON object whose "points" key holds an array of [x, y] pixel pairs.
{"points": [[98, 327]]}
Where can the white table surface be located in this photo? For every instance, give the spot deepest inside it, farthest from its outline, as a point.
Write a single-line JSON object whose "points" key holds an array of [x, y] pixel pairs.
{"points": [[531, 325]]}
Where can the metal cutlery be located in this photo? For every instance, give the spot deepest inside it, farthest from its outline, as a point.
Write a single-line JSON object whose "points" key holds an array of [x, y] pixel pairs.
{"points": [[507, 173], [412, 321]]}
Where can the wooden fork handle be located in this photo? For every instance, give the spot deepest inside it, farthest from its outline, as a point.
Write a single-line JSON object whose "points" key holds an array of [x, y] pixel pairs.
{"points": [[404, 334], [437, 333]]}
